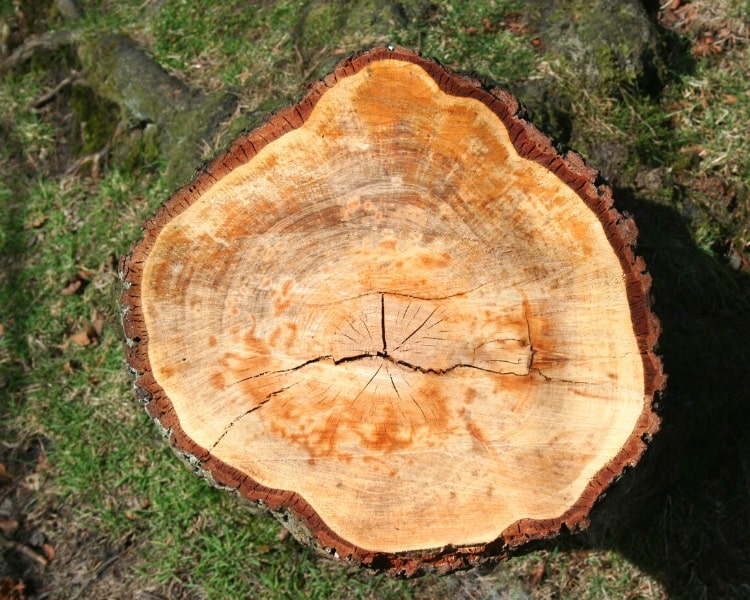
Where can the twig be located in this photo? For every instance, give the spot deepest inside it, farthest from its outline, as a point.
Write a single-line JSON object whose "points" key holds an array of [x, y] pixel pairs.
{"points": [[28, 552], [44, 98], [96, 157], [102, 568]]}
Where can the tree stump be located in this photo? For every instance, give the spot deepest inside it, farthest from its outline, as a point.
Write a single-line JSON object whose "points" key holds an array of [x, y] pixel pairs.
{"points": [[398, 319]]}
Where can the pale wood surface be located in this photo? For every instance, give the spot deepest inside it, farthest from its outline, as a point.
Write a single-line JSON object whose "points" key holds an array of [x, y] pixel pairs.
{"points": [[390, 312]]}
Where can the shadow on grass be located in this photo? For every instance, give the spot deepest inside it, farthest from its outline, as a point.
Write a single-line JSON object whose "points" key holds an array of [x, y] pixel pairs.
{"points": [[16, 294], [684, 516], [18, 457]]}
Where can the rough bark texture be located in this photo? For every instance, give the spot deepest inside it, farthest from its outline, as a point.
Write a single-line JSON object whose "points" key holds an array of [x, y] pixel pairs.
{"points": [[397, 317]]}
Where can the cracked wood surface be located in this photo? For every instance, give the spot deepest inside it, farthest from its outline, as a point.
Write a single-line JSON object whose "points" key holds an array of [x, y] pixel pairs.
{"points": [[397, 313]]}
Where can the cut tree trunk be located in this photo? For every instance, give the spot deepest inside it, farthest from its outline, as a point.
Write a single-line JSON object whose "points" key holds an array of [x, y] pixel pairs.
{"points": [[397, 318]]}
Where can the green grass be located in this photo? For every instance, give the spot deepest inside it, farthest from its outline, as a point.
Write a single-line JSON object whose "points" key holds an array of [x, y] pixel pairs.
{"points": [[109, 472], [470, 36], [268, 49], [710, 111], [107, 476], [108, 468]]}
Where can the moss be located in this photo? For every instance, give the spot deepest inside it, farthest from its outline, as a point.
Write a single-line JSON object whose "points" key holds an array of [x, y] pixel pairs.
{"points": [[118, 69], [138, 148], [184, 134], [121, 71], [608, 44], [607, 70], [94, 120]]}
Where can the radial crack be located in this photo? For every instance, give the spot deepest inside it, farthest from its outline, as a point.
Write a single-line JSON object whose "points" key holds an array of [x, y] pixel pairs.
{"points": [[408, 365], [406, 339], [393, 383], [249, 411], [532, 352], [366, 385], [424, 416], [357, 331], [382, 322], [547, 378], [367, 329]]}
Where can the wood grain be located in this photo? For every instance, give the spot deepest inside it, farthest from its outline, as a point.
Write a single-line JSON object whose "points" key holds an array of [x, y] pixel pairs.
{"points": [[396, 314]]}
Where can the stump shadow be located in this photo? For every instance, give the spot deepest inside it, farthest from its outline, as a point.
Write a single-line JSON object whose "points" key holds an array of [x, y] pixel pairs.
{"points": [[683, 515]]}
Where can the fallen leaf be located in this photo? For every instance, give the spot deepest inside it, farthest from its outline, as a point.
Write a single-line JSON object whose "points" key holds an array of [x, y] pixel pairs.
{"points": [[730, 99], [31, 482], [197, 525], [75, 284], [68, 368], [49, 551], [695, 150], [85, 336], [283, 534], [71, 287], [12, 589], [706, 46], [97, 321], [36, 222], [538, 574], [513, 23], [81, 338], [8, 527]]}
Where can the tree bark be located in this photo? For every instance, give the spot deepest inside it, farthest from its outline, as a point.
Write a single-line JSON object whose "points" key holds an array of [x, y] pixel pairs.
{"points": [[395, 315], [120, 70]]}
